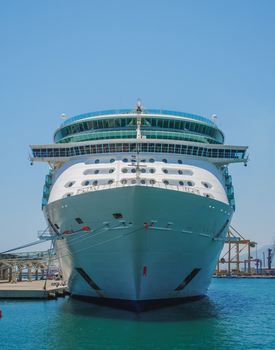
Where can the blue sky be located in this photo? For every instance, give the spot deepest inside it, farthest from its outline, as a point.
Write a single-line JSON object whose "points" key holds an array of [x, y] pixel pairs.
{"points": [[196, 56]]}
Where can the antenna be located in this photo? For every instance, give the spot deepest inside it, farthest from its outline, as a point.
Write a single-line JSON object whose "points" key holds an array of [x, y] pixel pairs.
{"points": [[139, 110]]}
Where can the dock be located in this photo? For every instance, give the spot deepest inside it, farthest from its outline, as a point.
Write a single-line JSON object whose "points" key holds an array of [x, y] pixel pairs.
{"points": [[32, 290]]}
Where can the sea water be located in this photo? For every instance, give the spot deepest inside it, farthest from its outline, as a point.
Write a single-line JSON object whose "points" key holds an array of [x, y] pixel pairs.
{"points": [[236, 314]]}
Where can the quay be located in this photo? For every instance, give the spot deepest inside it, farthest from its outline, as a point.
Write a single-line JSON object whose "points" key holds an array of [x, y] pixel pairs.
{"points": [[30, 276], [43, 289]]}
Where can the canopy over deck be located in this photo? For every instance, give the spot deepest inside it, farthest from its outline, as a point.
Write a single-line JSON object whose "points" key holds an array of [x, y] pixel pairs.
{"points": [[218, 154]]}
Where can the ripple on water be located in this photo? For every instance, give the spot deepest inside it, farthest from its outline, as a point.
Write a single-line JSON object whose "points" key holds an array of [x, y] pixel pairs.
{"points": [[237, 314]]}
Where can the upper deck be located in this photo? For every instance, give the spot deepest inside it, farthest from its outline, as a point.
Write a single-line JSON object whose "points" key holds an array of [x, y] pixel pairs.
{"points": [[113, 112], [154, 124]]}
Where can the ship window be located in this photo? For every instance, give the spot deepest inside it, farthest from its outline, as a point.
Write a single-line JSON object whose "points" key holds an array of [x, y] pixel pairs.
{"points": [[85, 183], [112, 160], [123, 181], [142, 181], [95, 183], [88, 171], [96, 161], [206, 184], [133, 170], [181, 183], [185, 172], [180, 161], [69, 184], [143, 160], [165, 171], [125, 160], [152, 170], [96, 171], [164, 160], [166, 182], [151, 160], [208, 195], [152, 182], [133, 181], [143, 170], [111, 170], [110, 182], [124, 170], [117, 216], [68, 194], [190, 183], [79, 221]]}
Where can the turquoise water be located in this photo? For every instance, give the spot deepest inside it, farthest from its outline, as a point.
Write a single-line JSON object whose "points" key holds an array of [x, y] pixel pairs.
{"points": [[237, 314]]}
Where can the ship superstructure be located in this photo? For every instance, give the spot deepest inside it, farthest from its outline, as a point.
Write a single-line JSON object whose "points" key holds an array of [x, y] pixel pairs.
{"points": [[139, 202]]}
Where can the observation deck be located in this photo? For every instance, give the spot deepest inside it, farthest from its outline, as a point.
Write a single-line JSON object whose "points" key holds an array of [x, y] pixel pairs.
{"points": [[154, 124]]}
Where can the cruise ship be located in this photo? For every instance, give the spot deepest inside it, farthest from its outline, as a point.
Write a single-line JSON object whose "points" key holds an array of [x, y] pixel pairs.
{"points": [[138, 203]]}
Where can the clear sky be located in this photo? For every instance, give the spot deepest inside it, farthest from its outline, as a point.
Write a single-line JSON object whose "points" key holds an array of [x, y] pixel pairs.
{"points": [[197, 56]]}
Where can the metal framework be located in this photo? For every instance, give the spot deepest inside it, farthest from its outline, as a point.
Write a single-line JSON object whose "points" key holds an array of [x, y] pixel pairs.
{"points": [[237, 258]]}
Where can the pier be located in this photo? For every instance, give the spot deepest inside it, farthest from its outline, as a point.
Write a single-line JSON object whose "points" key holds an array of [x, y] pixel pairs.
{"points": [[30, 276]]}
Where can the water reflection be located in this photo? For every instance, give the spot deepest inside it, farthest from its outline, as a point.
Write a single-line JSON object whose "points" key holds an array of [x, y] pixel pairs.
{"points": [[203, 308], [87, 326]]}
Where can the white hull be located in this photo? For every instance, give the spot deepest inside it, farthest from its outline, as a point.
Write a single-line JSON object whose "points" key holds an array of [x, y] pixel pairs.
{"points": [[165, 246]]}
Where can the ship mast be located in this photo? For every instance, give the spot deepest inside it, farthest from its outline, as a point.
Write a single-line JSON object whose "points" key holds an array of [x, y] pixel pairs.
{"points": [[138, 111]]}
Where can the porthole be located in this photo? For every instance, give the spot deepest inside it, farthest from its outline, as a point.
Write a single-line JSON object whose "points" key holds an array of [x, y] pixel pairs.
{"points": [[208, 195], [143, 160], [95, 183], [143, 170], [206, 184], [111, 171], [85, 183], [133, 181], [166, 182], [190, 183], [165, 171], [97, 161], [123, 181], [110, 182], [124, 170], [133, 170], [142, 181], [185, 172], [152, 170], [181, 183], [69, 194], [125, 160], [70, 184], [180, 161], [151, 160], [152, 182], [164, 160], [96, 171], [112, 160]]}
